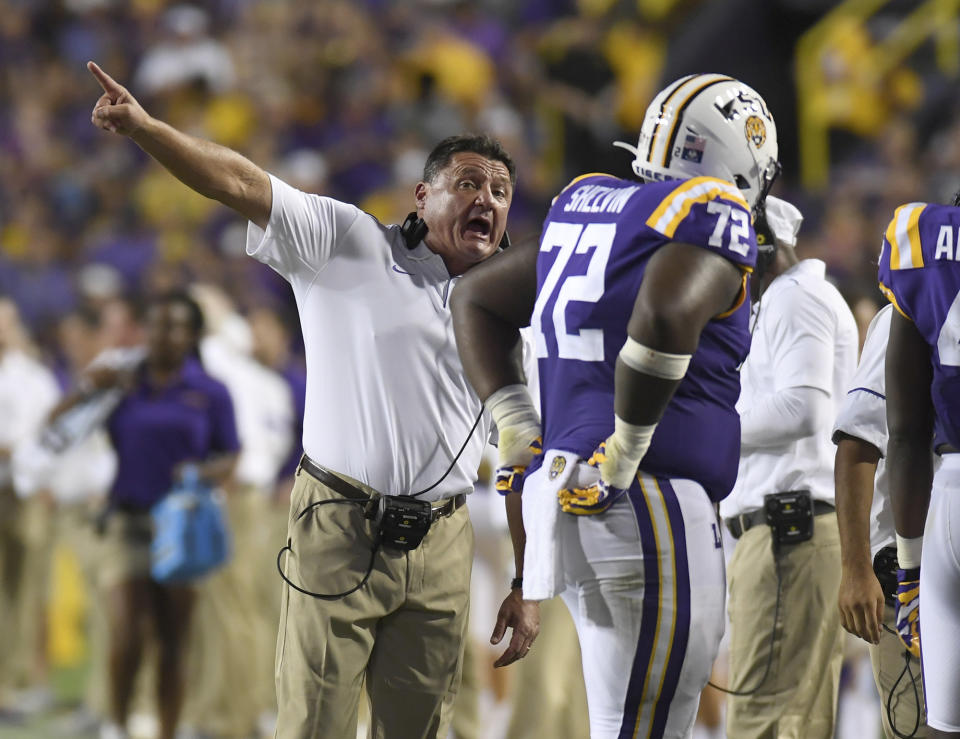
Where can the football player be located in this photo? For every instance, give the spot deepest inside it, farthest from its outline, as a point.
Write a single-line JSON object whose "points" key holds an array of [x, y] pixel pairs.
{"points": [[637, 295], [920, 275]]}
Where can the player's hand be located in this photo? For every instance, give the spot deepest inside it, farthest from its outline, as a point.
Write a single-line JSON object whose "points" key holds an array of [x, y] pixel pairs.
{"points": [[595, 498], [523, 616], [861, 603], [509, 477], [908, 609], [116, 110]]}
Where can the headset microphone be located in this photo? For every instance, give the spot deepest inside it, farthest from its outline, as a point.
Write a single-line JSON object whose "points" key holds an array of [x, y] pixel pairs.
{"points": [[414, 229]]}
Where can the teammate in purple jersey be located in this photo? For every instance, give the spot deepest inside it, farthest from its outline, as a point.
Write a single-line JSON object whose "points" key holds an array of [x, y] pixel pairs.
{"points": [[637, 297], [920, 275]]}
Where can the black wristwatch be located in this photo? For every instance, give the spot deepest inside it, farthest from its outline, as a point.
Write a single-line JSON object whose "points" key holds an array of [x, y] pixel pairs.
{"points": [[516, 583]]}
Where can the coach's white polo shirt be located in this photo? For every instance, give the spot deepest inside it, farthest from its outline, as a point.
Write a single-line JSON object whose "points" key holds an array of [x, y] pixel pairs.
{"points": [[804, 337], [387, 400]]}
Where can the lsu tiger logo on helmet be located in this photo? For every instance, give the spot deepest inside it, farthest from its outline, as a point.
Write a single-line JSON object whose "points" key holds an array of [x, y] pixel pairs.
{"points": [[755, 130], [708, 125]]}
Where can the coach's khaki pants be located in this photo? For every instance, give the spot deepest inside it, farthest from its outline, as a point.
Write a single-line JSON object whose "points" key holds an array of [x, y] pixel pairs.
{"points": [[404, 629], [798, 698], [887, 659]]}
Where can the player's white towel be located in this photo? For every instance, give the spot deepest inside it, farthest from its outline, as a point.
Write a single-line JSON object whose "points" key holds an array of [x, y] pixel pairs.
{"points": [[542, 575]]}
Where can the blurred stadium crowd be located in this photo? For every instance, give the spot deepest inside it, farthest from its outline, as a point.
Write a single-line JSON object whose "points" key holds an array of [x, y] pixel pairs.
{"points": [[345, 98]]}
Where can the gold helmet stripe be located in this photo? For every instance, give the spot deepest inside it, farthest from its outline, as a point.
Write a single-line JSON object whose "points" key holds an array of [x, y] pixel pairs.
{"points": [[668, 95], [667, 150]]}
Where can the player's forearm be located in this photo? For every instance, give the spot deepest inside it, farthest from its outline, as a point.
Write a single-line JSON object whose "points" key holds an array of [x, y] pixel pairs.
{"points": [[910, 416], [214, 171], [854, 472], [774, 419], [518, 534], [490, 348], [910, 471]]}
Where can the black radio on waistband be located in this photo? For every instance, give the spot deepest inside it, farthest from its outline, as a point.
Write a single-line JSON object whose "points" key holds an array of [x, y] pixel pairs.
{"points": [[790, 516], [885, 568], [402, 521]]}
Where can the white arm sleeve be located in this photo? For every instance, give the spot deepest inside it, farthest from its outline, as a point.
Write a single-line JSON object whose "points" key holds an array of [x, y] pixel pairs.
{"points": [[775, 419], [302, 233], [800, 332]]}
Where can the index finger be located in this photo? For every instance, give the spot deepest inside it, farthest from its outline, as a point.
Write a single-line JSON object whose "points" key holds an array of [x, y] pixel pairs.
{"points": [[107, 82]]}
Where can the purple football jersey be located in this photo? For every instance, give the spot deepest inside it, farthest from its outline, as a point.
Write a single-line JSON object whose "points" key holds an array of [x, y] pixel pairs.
{"points": [[597, 239], [920, 274]]}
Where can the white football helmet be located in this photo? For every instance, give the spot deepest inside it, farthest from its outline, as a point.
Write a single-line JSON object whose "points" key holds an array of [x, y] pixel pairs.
{"points": [[709, 125]]}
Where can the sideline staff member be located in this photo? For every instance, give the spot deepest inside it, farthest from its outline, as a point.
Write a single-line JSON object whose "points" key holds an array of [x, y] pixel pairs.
{"points": [[803, 354], [387, 410]]}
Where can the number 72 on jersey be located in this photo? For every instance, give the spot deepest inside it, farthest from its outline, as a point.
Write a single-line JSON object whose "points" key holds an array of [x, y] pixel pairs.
{"points": [[597, 239]]}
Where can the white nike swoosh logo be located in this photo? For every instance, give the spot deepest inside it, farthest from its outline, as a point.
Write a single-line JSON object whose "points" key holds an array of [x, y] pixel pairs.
{"points": [[397, 269]]}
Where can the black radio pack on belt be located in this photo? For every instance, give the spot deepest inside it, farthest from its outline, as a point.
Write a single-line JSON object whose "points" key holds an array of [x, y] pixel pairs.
{"points": [[402, 521], [790, 516], [885, 568]]}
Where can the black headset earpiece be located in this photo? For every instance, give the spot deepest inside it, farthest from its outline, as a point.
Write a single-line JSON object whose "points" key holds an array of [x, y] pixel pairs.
{"points": [[413, 230]]}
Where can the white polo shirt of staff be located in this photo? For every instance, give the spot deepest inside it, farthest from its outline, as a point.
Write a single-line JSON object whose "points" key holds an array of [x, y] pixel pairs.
{"points": [[387, 401], [804, 337], [262, 404], [28, 392]]}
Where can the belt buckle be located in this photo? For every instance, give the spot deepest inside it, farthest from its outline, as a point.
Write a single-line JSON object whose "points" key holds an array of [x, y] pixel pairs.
{"points": [[444, 509]]}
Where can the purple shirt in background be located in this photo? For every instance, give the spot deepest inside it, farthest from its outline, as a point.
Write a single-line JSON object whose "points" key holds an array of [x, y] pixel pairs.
{"points": [[156, 428]]}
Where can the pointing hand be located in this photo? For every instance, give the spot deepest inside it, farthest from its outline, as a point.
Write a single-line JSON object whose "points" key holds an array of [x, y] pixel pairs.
{"points": [[116, 110]]}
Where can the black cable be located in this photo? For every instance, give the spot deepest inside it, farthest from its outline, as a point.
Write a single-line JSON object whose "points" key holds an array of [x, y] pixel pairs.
{"points": [[893, 688], [376, 546], [462, 447], [773, 632]]}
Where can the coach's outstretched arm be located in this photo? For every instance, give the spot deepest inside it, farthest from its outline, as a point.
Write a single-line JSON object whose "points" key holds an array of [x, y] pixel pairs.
{"points": [[212, 170]]}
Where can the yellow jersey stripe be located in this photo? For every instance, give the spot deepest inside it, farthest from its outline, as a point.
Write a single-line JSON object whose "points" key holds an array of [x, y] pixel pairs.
{"points": [[893, 299], [673, 610], [903, 234], [656, 632], [676, 206], [741, 296], [705, 81], [577, 179]]}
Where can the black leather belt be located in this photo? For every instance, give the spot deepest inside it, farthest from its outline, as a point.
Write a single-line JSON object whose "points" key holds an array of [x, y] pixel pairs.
{"points": [[739, 525], [348, 490]]}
